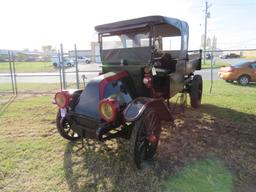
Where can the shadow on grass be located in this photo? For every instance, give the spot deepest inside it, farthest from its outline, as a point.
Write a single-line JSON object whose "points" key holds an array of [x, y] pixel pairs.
{"points": [[208, 143], [5, 103], [231, 116], [96, 167]]}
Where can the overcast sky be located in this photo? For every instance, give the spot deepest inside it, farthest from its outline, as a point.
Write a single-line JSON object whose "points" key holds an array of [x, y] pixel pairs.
{"points": [[33, 23]]}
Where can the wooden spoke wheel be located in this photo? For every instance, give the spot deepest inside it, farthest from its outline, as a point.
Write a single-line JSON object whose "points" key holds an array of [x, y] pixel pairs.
{"points": [[65, 129], [145, 137]]}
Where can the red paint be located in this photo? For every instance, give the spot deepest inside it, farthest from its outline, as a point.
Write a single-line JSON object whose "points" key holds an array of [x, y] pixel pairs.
{"points": [[152, 138], [66, 96], [108, 80], [147, 80]]}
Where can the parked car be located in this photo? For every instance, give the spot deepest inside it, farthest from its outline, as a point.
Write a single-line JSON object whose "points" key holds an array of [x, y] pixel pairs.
{"points": [[68, 62], [131, 96], [86, 60], [208, 56], [243, 73], [230, 56]]}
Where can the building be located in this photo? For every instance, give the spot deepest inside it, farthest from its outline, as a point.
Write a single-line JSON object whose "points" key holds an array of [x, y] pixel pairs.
{"points": [[93, 54], [80, 53]]}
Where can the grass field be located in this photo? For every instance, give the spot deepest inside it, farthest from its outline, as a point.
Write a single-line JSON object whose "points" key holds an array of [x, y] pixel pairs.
{"points": [[47, 66], [28, 67], [209, 149], [31, 87], [218, 63]]}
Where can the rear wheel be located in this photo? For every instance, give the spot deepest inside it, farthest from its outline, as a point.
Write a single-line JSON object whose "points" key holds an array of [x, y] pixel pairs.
{"points": [[196, 90], [145, 137], [244, 80], [64, 128]]}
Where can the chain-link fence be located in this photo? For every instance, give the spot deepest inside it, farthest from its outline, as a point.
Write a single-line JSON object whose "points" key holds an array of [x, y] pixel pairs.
{"points": [[219, 58], [30, 73]]}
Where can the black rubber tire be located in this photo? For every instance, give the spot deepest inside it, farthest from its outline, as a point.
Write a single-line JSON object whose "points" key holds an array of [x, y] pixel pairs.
{"points": [[140, 133], [196, 90], [64, 129], [244, 80], [87, 61]]}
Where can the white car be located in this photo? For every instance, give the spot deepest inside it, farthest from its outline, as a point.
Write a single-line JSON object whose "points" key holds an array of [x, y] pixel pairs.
{"points": [[86, 60], [68, 62]]}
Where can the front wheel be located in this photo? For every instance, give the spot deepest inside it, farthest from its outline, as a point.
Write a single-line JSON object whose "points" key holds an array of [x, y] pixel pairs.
{"points": [[64, 128], [196, 90], [145, 137]]}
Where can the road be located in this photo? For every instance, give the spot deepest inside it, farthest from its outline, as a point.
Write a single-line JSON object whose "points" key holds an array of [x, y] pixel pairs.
{"points": [[71, 77], [90, 71], [206, 74]]}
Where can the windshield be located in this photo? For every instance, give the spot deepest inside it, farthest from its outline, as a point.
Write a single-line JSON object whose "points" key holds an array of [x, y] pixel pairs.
{"points": [[238, 65], [127, 40]]}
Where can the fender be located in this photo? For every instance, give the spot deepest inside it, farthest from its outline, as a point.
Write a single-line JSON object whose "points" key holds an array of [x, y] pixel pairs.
{"points": [[136, 108]]}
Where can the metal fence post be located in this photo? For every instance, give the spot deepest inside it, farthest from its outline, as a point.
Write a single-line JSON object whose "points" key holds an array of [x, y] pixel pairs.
{"points": [[59, 65], [211, 71], [63, 67], [14, 73], [77, 72], [11, 71]]}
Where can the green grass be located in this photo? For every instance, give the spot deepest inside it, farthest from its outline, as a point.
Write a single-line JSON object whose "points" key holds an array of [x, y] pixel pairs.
{"points": [[31, 87], [218, 63], [36, 87], [204, 175], [28, 67], [208, 149], [230, 96]]}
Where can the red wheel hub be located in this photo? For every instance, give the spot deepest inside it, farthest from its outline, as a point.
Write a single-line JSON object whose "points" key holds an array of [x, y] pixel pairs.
{"points": [[152, 138]]}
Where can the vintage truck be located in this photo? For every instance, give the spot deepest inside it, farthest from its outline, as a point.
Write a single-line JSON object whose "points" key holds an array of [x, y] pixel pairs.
{"points": [[140, 73]]}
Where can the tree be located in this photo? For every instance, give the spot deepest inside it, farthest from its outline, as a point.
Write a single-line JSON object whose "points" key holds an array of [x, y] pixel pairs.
{"points": [[21, 56], [214, 42], [208, 43], [48, 51]]}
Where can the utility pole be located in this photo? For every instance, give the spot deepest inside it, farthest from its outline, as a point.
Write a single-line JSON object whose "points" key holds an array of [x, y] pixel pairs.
{"points": [[207, 15]]}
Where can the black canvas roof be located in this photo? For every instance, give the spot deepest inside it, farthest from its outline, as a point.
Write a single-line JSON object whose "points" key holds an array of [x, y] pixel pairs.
{"points": [[143, 22]]}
